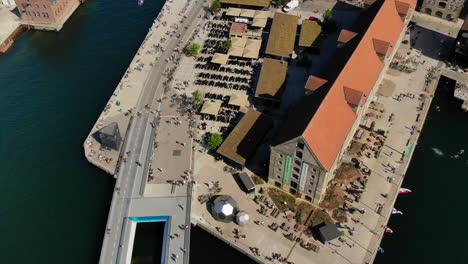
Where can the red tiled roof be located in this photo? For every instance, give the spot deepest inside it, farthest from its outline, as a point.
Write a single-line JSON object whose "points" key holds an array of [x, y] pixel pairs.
{"points": [[381, 46], [346, 35], [352, 96], [238, 28], [330, 125], [313, 83], [402, 8], [369, 2]]}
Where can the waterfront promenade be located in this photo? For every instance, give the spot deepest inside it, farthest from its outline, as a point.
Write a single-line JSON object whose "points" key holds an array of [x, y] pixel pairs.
{"points": [[136, 197]]}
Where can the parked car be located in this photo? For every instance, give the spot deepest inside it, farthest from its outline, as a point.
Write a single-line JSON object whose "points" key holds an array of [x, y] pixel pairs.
{"points": [[290, 6], [313, 18]]}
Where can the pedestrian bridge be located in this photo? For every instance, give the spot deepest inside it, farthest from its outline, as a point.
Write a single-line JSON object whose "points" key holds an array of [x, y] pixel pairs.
{"points": [[132, 203]]}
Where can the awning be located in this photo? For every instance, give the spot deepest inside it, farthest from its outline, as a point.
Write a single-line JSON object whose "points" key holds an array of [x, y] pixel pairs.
{"points": [[259, 22], [252, 48], [211, 107], [238, 42], [238, 99], [232, 11], [220, 58], [247, 13], [236, 51], [262, 14]]}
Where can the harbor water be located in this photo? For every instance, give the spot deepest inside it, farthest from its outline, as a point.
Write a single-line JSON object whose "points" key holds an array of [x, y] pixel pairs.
{"points": [[54, 204]]}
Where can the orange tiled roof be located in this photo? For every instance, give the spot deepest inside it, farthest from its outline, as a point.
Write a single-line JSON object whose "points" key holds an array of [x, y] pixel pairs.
{"points": [[313, 83], [346, 35], [352, 96], [403, 8], [330, 125], [369, 2]]}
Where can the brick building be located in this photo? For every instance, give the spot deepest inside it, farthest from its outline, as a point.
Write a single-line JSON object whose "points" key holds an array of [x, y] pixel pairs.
{"points": [[446, 9], [46, 11], [308, 150]]}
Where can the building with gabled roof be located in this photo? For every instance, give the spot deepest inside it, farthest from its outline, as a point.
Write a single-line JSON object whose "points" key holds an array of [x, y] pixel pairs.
{"points": [[282, 35], [307, 150]]}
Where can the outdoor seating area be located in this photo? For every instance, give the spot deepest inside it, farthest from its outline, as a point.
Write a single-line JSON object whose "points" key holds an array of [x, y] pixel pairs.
{"points": [[217, 108]]}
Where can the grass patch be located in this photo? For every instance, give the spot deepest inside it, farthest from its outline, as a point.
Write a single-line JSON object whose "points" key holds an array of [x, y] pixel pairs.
{"points": [[279, 197], [257, 180], [320, 216], [302, 212], [347, 173], [340, 215], [334, 197], [355, 147]]}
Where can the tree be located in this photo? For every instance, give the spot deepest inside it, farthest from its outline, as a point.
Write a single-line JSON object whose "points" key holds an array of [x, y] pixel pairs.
{"points": [[215, 141], [197, 97], [194, 48], [227, 44], [215, 5], [329, 23]]}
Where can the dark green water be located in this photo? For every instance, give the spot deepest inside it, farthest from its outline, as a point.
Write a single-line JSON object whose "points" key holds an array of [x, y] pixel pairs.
{"points": [[54, 205], [430, 231]]}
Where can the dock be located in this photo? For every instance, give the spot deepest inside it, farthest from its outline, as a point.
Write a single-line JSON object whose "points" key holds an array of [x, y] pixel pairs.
{"points": [[152, 168]]}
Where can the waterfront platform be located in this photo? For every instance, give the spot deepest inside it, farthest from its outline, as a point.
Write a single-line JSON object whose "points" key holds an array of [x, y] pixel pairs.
{"points": [[9, 25], [136, 92]]}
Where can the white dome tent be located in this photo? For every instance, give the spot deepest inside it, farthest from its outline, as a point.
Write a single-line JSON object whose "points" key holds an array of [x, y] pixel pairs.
{"points": [[242, 218]]}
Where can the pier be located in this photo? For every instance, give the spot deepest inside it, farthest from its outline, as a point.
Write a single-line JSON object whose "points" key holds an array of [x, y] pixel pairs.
{"points": [[153, 157]]}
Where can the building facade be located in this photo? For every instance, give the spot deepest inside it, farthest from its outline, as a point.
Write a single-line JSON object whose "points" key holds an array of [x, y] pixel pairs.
{"points": [[306, 157], [446, 9], [9, 3], [45, 11]]}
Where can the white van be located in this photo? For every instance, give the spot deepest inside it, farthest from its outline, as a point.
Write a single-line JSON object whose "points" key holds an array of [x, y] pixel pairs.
{"points": [[290, 6]]}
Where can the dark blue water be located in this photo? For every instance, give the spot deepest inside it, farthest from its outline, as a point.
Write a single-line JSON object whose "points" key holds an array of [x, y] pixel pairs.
{"points": [[54, 204]]}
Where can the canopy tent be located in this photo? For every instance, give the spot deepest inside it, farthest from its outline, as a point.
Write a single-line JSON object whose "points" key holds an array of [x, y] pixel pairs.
{"points": [[238, 42], [261, 14], [252, 48], [244, 47], [236, 51], [238, 99], [220, 58], [109, 136], [211, 107], [232, 11], [259, 22], [250, 13]]}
